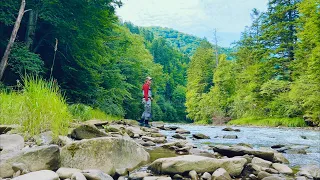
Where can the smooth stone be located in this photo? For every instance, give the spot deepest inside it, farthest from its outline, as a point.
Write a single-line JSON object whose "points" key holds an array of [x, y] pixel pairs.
{"points": [[221, 174], [94, 174], [282, 168], [39, 175], [200, 136], [78, 176], [261, 162], [66, 172], [138, 175], [206, 176], [193, 175], [11, 142], [178, 136]]}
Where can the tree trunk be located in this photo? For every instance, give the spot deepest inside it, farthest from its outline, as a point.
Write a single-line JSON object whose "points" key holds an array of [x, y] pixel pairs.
{"points": [[31, 28], [4, 60]]}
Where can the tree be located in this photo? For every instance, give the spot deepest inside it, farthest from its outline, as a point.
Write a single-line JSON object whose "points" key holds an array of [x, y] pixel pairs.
{"points": [[4, 60]]}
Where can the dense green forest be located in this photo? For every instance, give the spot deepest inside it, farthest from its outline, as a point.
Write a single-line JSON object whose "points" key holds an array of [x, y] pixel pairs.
{"points": [[273, 72]]}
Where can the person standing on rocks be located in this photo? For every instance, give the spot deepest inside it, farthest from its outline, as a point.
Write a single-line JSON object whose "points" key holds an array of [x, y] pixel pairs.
{"points": [[147, 98]]}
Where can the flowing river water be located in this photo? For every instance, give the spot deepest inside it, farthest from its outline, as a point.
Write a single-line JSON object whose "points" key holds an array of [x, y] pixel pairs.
{"points": [[259, 137]]}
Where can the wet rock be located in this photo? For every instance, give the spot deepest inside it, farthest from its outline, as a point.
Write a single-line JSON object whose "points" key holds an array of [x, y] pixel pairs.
{"points": [[282, 168], [310, 171], [138, 175], [39, 175], [173, 127], [279, 157], [93, 174], [263, 174], [230, 129], [193, 175], [65, 173], [221, 174], [277, 146], [303, 137], [78, 176], [230, 137], [178, 136], [11, 142], [240, 151], [178, 177], [200, 136], [206, 176], [182, 131], [261, 162], [38, 158], [87, 132], [106, 154], [182, 164]]}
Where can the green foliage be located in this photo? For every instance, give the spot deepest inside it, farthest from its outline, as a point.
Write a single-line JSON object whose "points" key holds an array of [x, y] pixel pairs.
{"points": [[22, 61], [273, 122], [39, 107]]}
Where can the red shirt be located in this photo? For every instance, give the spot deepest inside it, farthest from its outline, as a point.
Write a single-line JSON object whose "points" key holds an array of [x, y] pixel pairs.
{"points": [[145, 89]]}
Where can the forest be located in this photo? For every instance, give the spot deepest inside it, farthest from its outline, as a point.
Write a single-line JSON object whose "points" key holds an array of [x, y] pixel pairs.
{"points": [[270, 77]]}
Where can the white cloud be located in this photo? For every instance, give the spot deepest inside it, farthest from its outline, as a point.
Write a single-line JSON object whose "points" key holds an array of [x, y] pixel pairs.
{"points": [[198, 17]]}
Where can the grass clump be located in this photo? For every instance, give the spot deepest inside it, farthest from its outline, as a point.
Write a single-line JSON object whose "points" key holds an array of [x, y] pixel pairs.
{"points": [[37, 108], [272, 122], [83, 112]]}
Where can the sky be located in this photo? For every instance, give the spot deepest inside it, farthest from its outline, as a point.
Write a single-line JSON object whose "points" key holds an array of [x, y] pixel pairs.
{"points": [[195, 17]]}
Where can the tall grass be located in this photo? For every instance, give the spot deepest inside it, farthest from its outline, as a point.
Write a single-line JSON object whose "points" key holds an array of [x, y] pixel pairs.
{"points": [[83, 112], [37, 108], [273, 122]]}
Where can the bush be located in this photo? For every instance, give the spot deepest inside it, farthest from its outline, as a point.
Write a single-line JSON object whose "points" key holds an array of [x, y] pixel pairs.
{"points": [[39, 107], [274, 122], [83, 112]]}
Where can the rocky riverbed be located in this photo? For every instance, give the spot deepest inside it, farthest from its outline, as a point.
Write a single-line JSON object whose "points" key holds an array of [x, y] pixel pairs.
{"points": [[122, 150]]}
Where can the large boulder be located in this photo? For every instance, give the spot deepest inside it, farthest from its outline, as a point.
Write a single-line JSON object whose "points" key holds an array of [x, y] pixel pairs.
{"points": [[107, 154], [184, 164], [87, 132], [39, 175], [11, 142], [221, 174], [35, 159], [282, 168], [310, 171], [232, 151], [200, 136]]}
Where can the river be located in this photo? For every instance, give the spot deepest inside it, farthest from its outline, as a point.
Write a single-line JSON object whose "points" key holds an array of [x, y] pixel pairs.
{"points": [[260, 137]]}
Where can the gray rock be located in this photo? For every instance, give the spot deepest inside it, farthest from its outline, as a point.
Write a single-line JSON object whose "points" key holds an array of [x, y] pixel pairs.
{"points": [[263, 174], [261, 162], [200, 136], [279, 157], [178, 177], [155, 140], [251, 169], [157, 178], [11, 142], [138, 175], [106, 154], [122, 178], [178, 144], [178, 136], [240, 151], [93, 174], [273, 178], [296, 151], [221, 174], [173, 127], [64, 140], [253, 177], [38, 158], [87, 132], [282, 168], [310, 171], [97, 123], [206, 176], [20, 167], [301, 178], [182, 131], [157, 135], [303, 137], [39, 175], [230, 129], [148, 143], [193, 175], [66, 172], [44, 138], [271, 170], [182, 164], [277, 146], [78, 176], [230, 137], [6, 128]]}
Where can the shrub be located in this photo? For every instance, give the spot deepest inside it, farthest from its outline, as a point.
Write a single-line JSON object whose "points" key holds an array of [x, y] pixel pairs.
{"points": [[37, 108]]}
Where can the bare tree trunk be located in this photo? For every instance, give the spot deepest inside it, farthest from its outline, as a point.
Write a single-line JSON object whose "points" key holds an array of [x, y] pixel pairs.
{"points": [[31, 28], [216, 44], [4, 60]]}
